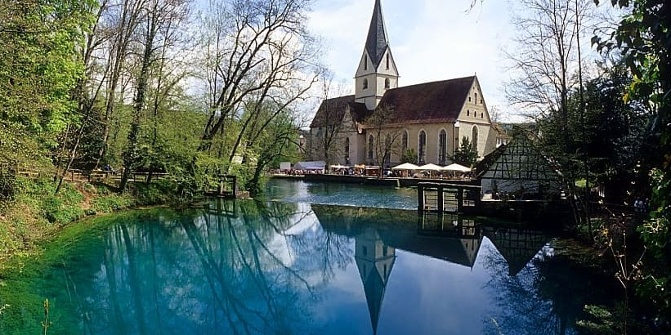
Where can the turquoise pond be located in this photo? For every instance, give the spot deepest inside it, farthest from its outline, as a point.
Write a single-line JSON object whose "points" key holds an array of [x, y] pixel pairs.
{"points": [[312, 259]]}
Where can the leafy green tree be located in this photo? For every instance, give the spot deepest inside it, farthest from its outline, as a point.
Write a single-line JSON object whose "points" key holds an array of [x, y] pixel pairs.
{"points": [[409, 156], [38, 72], [607, 135], [643, 39], [466, 154], [275, 143], [162, 20]]}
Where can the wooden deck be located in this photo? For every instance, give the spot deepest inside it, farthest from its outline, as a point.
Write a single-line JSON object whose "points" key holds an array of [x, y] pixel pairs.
{"points": [[448, 198]]}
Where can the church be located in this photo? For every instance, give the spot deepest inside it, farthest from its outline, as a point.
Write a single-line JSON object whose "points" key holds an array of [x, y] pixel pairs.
{"points": [[382, 122]]}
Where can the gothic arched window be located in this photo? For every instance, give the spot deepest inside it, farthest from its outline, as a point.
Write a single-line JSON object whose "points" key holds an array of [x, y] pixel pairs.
{"points": [[442, 147], [365, 84], [371, 146], [387, 83], [387, 151], [347, 150], [422, 147], [474, 138]]}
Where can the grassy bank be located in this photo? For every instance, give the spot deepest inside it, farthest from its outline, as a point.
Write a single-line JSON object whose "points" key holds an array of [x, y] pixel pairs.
{"points": [[35, 213]]}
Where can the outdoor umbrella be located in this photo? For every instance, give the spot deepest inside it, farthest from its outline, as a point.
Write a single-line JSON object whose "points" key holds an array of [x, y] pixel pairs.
{"points": [[430, 167], [456, 167], [406, 166]]}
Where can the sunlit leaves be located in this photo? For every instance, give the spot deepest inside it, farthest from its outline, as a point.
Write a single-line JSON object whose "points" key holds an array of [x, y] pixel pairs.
{"points": [[38, 70]]}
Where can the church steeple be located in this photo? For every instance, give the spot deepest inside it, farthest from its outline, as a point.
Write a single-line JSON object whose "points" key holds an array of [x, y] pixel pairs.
{"points": [[377, 42], [377, 70]]}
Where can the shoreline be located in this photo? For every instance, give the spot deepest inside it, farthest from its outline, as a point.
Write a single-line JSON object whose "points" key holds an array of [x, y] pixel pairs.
{"points": [[36, 216]]}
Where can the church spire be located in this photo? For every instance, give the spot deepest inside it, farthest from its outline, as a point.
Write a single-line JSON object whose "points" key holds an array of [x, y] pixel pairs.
{"points": [[377, 42], [377, 70]]}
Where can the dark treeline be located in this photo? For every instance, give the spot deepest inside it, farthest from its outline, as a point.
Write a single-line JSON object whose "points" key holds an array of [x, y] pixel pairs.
{"points": [[606, 123]]}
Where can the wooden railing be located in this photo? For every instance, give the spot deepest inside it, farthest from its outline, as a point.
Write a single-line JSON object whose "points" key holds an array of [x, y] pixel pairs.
{"points": [[73, 175]]}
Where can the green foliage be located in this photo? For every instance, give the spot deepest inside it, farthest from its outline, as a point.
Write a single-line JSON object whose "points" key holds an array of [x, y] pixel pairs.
{"points": [[465, 154], [156, 193], [600, 320], [110, 203], [643, 39], [276, 142], [38, 70], [7, 184], [656, 236], [409, 156], [61, 208], [607, 135]]}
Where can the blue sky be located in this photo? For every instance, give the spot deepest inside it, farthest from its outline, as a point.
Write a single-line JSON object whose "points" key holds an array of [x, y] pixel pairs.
{"points": [[444, 33]]}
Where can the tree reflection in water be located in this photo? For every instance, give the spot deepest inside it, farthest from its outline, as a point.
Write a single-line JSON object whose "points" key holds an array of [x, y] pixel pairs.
{"points": [[255, 268], [250, 271], [543, 295]]}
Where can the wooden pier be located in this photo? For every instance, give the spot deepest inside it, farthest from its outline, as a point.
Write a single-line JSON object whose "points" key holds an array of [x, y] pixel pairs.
{"points": [[227, 187], [448, 198]]}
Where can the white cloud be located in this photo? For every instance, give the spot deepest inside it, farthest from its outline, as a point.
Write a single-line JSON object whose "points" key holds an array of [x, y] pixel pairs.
{"points": [[430, 39]]}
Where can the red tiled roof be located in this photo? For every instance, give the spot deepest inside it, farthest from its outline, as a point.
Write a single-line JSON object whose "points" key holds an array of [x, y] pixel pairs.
{"points": [[439, 101]]}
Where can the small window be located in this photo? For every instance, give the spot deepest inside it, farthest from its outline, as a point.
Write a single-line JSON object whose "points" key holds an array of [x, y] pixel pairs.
{"points": [[365, 84], [469, 99], [387, 83], [387, 61], [482, 115], [468, 112], [365, 62], [476, 98]]}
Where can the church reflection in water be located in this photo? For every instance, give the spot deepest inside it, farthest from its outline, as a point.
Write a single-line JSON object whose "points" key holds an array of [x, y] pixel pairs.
{"points": [[447, 237], [375, 260]]}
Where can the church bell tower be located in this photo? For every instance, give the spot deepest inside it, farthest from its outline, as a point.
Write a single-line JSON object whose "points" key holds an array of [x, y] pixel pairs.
{"points": [[377, 70]]}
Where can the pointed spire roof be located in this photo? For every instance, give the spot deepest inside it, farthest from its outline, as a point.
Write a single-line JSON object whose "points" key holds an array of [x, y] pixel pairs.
{"points": [[374, 287], [377, 43]]}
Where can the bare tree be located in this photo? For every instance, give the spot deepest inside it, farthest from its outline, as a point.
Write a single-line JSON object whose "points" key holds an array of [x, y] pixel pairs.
{"points": [[120, 23], [326, 143], [254, 52], [385, 134], [544, 60]]}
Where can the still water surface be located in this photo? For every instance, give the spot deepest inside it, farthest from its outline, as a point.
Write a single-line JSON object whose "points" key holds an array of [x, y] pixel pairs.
{"points": [[303, 264]]}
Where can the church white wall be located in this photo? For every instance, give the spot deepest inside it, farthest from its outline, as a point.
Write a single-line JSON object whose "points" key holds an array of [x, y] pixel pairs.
{"points": [[432, 131], [371, 83], [359, 152], [475, 114]]}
